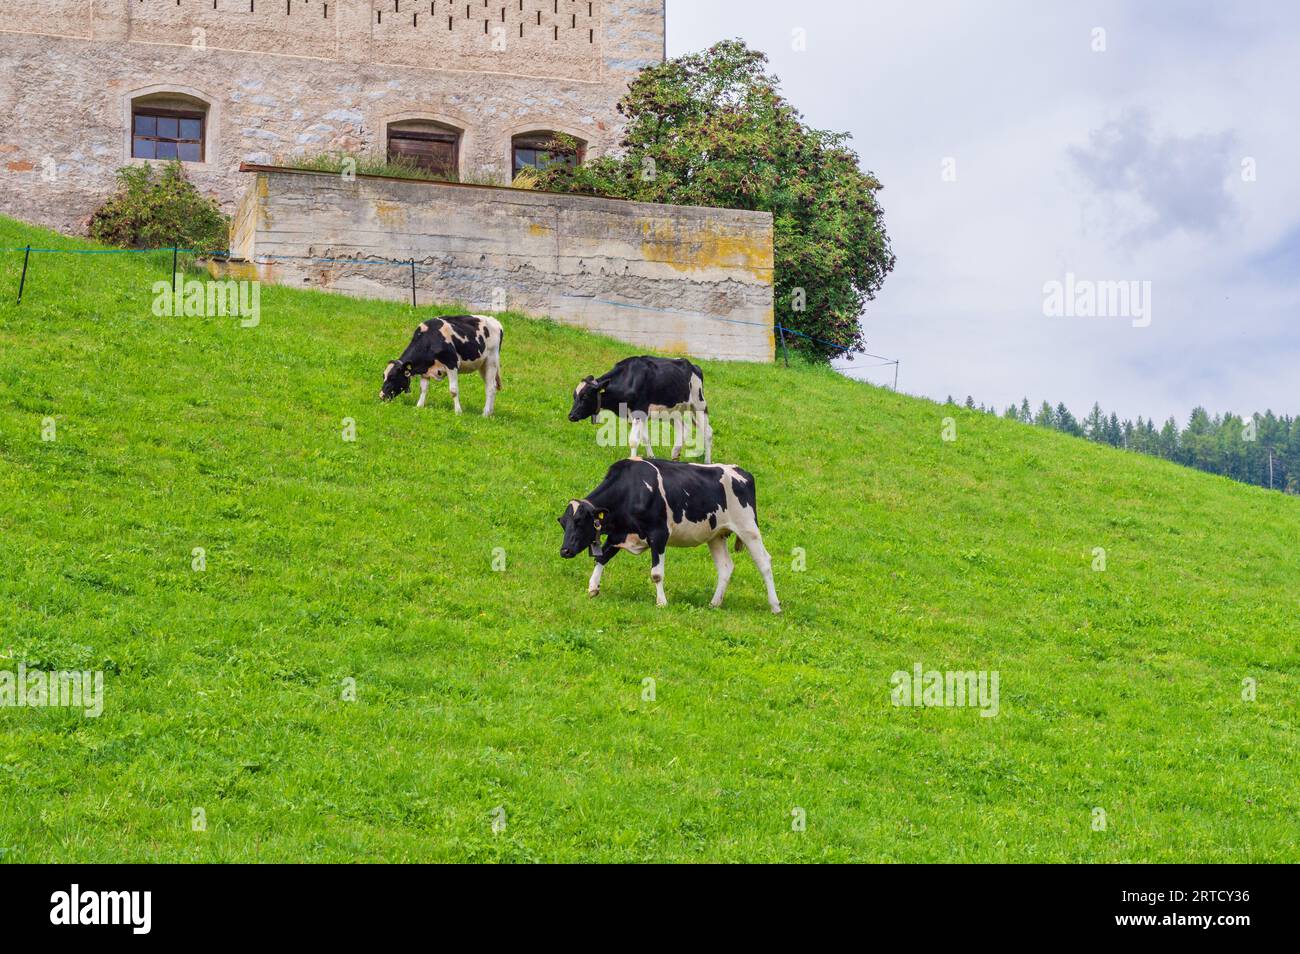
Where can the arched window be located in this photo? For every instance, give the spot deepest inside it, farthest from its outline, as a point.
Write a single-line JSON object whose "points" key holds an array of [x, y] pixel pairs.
{"points": [[544, 149], [430, 145], [169, 126]]}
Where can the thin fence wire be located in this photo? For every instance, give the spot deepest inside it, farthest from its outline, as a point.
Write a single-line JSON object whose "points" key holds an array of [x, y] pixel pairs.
{"points": [[414, 266]]}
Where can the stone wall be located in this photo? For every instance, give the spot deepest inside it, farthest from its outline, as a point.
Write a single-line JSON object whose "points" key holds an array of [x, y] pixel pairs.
{"points": [[667, 278], [284, 78]]}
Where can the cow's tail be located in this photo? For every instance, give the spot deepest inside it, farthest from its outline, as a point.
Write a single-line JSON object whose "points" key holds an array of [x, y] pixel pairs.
{"points": [[500, 345], [749, 499]]}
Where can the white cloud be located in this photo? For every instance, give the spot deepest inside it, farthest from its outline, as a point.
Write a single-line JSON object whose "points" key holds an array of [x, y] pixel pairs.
{"points": [[1122, 165]]}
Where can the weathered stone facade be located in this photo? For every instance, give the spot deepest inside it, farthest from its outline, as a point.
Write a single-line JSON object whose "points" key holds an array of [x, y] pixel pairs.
{"points": [[669, 278], [278, 79]]}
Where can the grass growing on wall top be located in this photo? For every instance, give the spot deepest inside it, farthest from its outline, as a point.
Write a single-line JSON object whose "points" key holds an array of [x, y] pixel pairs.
{"points": [[373, 561]]}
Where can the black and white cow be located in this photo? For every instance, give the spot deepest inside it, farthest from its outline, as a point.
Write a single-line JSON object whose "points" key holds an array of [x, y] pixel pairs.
{"points": [[652, 505], [444, 347], [639, 387]]}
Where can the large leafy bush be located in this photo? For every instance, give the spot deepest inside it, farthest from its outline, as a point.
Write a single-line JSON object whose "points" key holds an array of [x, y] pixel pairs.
{"points": [[158, 208]]}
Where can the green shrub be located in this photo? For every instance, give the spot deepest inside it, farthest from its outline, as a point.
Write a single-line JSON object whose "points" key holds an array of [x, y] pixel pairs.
{"points": [[159, 208], [392, 167], [367, 164]]}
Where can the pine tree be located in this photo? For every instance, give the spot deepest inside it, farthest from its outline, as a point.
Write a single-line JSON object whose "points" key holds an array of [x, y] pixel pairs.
{"points": [[1114, 433], [1066, 422], [1094, 425]]}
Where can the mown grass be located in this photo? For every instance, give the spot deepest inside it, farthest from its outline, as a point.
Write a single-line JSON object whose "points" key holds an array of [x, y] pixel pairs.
{"points": [[372, 560]]}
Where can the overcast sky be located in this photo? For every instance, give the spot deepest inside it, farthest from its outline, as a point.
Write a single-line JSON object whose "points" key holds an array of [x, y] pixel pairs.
{"points": [[1129, 164]]}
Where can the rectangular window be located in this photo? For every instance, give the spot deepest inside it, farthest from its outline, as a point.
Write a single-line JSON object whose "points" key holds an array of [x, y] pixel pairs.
{"points": [[435, 152], [167, 134], [543, 152]]}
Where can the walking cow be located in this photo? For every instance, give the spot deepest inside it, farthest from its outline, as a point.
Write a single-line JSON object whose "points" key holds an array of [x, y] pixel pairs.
{"points": [[652, 505], [645, 386]]}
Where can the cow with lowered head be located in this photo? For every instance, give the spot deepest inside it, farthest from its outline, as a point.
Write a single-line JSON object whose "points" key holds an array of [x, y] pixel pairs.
{"points": [[444, 347], [645, 386], [652, 505]]}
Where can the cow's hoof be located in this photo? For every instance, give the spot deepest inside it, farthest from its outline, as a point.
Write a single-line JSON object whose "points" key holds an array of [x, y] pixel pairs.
{"points": [[776, 610], [661, 602], [593, 593], [715, 603]]}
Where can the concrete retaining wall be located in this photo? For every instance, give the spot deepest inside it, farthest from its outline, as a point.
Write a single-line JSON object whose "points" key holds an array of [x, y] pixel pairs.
{"points": [[667, 278]]}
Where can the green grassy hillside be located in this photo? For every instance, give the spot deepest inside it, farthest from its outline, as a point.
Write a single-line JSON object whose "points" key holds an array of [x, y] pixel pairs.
{"points": [[372, 560]]}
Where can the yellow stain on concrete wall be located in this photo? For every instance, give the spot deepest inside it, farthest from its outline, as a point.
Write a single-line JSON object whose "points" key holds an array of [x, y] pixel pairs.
{"points": [[240, 271], [688, 250], [391, 214], [263, 194], [537, 228]]}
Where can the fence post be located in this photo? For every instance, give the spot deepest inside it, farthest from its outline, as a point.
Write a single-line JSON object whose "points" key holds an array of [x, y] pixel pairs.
{"points": [[173, 279], [895, 375], [23, 281], [784, 350], [413, 305]]}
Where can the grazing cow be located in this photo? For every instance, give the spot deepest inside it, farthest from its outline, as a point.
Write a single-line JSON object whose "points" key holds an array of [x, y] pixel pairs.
{"points": [[641, 386], [443, 347], [652, 505]]}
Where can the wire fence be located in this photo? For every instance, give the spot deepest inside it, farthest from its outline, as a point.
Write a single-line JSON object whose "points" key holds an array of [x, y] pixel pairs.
{"points": [[28, 251]]}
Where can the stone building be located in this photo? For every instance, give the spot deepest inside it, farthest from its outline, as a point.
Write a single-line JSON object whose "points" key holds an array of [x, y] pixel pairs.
{"points": [[470, 87]]}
